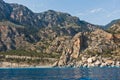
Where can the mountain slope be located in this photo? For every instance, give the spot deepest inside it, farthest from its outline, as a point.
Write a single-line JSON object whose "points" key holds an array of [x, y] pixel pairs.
{"points": [[53, 18], [24, 16], [37, 25], [56, 34], [21, 15], [10, 38], [112, 23], [5, 10], [114, 26]]}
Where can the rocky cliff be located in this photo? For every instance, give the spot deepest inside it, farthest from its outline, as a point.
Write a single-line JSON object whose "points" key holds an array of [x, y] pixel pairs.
{"points": [[96, 43]]}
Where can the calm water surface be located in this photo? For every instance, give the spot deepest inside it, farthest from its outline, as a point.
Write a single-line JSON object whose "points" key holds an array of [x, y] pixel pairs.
{"points": [[60, 74]]}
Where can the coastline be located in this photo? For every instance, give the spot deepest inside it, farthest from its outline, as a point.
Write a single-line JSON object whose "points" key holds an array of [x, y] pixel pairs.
{"points": [[45, 67], [8, 65], [23, 65]]}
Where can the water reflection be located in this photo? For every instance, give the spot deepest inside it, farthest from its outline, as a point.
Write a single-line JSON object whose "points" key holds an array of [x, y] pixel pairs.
{"points": [[60, 74], [104, 73]]}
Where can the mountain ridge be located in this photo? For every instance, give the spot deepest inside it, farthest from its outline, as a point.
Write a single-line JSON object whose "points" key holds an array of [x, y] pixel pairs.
{"points": [[22, 15]]}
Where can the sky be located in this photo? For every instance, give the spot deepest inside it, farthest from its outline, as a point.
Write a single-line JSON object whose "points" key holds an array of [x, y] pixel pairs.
{"points": [[99, 12]]}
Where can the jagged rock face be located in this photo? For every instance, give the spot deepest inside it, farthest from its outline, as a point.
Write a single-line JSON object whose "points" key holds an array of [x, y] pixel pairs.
{"points": [[100, 41], [53, 18], [68, 47], [52, 32], [5, 10], [22, 15], [95, 42], [77, 44], [115, 28], [59, 19], [14, 37], [10, 38]]}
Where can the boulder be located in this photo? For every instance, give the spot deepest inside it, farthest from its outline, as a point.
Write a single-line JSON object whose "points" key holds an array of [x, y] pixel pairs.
{"points": [[109, 62], [97, 63], [55, 64], [91, 59]]}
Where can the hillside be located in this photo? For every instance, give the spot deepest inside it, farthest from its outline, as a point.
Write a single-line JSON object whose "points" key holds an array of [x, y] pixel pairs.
{"points": [[114, 26], [53, 36]]}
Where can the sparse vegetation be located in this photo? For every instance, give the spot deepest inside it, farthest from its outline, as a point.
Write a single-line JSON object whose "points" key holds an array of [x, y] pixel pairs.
{"points": [[29, 53]]}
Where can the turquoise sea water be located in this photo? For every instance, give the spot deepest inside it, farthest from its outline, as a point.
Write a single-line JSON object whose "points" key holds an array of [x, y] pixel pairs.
{"points": [[60, 73]]}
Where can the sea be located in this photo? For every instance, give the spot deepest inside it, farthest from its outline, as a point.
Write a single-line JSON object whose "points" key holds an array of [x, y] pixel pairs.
{"points": [[96, 73]]}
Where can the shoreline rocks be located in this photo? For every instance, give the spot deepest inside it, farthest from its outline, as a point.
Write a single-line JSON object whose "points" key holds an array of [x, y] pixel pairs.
{"points": [[97, 62]]}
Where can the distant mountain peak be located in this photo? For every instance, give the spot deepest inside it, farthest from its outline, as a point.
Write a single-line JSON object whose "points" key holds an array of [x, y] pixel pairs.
{"points": [[53, 11], [112, 23]]}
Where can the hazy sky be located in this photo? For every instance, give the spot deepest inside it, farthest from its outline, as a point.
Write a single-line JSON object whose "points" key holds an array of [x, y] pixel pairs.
{"points": [[95, 11]]}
